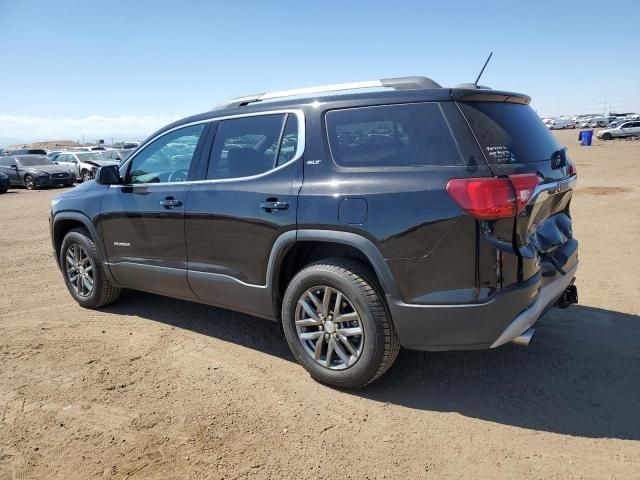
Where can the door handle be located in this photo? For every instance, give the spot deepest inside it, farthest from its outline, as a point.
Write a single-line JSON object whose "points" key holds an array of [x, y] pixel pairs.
{"points": [[269, 206], [170, 203]]}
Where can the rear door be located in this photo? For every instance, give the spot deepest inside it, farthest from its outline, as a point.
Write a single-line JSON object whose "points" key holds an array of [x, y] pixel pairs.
{"points": [[248, 199], [631, 128], [515, 141], [7, 167]]}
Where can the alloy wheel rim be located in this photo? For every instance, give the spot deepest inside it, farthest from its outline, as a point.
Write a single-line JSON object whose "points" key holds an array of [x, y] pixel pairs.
{"points": [[29, 183], [79, 270], [329, 327]]}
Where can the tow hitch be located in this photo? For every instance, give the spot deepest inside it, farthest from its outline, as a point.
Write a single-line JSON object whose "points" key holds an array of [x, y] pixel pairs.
{"points": [[569, 297]]}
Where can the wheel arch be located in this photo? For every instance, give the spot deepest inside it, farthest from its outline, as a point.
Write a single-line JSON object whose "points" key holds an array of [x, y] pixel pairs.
{"points": [[308, 246], [63, 222]]}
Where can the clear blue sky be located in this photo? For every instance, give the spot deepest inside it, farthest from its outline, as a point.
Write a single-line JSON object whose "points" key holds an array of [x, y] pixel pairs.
{"points": [[160, 59]]}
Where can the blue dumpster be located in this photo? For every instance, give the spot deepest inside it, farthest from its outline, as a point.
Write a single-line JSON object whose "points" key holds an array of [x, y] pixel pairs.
{"points": [[585, 138]]}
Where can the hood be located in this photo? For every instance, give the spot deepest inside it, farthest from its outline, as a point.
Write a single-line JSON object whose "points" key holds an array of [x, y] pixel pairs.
{"points": [[101, 163], [46, 169], [78, 190]]}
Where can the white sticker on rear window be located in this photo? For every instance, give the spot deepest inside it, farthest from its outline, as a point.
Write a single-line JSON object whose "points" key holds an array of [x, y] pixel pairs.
{"points": [[501, 154]]}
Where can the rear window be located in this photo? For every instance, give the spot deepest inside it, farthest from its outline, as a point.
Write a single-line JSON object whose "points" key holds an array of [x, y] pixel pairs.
{"points": [[391, 136], [509, 132]]}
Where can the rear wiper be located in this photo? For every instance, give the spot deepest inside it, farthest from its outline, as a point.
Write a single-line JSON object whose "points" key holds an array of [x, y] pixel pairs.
{"points": [[559, 158]]}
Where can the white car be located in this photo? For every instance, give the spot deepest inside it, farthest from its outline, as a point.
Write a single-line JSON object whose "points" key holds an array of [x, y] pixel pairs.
{"points": [[599, 122], [561, 123], [626, 129], [83, 164]]}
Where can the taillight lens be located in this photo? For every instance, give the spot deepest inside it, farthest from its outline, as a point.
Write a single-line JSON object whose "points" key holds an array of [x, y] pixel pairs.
{"points": [[572, 169], [493, 198]]}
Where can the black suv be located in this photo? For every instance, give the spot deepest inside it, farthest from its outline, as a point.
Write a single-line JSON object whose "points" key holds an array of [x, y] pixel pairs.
{"points": [[404, 214]]}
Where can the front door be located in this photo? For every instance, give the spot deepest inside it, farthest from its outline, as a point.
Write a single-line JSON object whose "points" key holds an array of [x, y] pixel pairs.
{"points": [[142, 221], [67, 160], [248, 200]]}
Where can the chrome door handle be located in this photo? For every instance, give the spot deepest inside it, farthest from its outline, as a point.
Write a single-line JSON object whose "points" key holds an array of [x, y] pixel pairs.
{"points": [[276, 205], [170, 203]]}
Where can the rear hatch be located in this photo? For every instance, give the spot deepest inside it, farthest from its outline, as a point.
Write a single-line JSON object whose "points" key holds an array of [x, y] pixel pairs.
{"points": [[515, 141]]}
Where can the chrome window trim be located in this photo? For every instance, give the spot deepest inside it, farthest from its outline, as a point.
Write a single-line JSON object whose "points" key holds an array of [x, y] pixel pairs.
{"points": [[299, 149]]}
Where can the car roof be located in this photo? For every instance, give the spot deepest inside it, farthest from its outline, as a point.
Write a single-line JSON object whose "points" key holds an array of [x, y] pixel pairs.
{"points": [[335, 99]]}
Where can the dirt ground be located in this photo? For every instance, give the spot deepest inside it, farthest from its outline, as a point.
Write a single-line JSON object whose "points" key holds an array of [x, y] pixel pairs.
{"points": [[158, 388]]}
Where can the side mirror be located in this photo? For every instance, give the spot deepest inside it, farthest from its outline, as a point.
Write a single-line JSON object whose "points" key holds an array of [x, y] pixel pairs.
{"points": [[56, 163], [109, 175]]}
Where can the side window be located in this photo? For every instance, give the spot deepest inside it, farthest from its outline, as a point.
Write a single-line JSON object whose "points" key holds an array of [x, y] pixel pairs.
{"points": [[289, 143], [391, 136], [249, 146], [168, 158]]}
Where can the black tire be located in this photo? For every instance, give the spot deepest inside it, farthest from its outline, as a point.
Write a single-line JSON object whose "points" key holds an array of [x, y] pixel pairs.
{"points": [[4, 188], [606, 136], [86, 175], [29, 183], [103, 292], [380, 343]]}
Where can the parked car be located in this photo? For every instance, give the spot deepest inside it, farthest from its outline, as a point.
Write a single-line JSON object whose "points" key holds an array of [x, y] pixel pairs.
{"points": [[83, 164], [291, 210], [584, 123], [561, 123], [27, 151], [117, 155], [598, 122], [4, 182], [626, 129], [35, 171]]}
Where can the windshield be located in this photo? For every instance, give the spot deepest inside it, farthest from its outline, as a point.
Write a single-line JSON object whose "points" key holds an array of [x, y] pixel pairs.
{"points": [[34, 161], [509, 132], [84, 157]]}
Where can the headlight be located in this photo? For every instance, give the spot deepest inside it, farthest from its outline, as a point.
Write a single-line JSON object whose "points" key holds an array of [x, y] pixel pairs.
{"points": [[44, 175]]}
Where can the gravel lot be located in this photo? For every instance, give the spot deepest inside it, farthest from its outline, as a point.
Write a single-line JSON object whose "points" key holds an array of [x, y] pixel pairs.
{"points": [[158, 388]]}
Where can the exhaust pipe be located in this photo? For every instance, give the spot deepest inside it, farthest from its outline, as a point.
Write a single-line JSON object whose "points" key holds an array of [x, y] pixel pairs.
{"points": [[524, 338]]}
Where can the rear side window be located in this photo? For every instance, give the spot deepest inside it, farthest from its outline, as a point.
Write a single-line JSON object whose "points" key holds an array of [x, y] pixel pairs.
{"points": [[248, 146], [391, 136], [509, 132]]}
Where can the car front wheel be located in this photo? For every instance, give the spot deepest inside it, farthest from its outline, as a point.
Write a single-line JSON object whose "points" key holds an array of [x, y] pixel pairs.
{"points": [[29, 182], [606, 136], [83, 272], [337, 325]]}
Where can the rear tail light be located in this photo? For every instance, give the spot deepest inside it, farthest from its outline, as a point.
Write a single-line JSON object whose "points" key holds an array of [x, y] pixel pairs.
{"points": [[493, 198], [572, 169]]}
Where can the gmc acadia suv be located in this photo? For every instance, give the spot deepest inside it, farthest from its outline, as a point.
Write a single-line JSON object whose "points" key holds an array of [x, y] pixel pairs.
{"points": [[403, 214]]}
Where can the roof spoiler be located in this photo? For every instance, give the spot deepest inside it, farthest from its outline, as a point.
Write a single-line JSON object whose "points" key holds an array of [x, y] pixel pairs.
{"points": [[400, 83], [465, 93]]}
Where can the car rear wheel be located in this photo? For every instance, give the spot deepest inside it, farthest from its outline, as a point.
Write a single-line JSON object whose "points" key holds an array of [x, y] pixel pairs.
{"points": [[337, 325], [29, 183], [83, 272], [86, 175], [606, 136]]}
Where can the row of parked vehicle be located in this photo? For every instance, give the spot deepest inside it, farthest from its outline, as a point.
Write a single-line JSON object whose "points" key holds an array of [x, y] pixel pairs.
{"points": [[616, 127], [38, 168]]}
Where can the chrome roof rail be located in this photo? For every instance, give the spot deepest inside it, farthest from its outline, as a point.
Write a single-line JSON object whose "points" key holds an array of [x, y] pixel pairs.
{"points": [[400, 83]]}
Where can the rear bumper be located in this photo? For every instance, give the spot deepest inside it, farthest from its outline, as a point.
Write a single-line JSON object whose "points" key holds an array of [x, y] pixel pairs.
{"points": [[477, 326]]}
